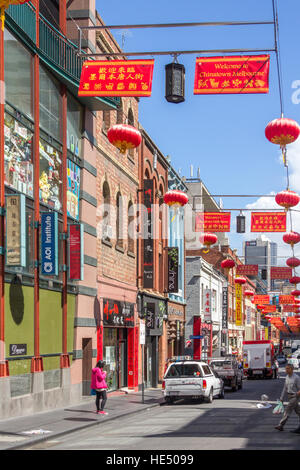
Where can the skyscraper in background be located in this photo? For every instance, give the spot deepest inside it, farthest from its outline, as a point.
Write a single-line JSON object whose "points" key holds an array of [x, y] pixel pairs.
{"points": [[262, 252]]}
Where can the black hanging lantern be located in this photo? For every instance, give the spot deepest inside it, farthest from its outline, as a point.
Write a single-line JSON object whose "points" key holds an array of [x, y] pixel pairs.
{"points": [[175, 82], [241, 224]]}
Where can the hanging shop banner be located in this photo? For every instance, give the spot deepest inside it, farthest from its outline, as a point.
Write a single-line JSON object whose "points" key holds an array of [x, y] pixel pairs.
{"points": [[239, 304], [269, 309], [289, 308], [248, 315], [49, 243], [286, 299], [173, 262], [116, 313], [73, 189], [247, 269], [280, 273], [236, 74], [15, 230], [268, 222], [212, 222], [225, 308], [207, 305], [261, 299], [147, 234], [116, 78], [76, 252]]}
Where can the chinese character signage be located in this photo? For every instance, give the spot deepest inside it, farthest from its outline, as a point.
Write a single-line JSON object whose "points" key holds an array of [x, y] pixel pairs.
{"points": [[261, 299], [269, 309], [212, 222], [73, 189], [207, 305], [76, 252], [268, 221], [286, 299], [116, 313], [116, 78], [248, 315], [247, 269], [148, 239], [281, 273], [238, 304], [236, 74], [173, 261], [15, 231], [49, 244], [290, 308], [225, 308]]}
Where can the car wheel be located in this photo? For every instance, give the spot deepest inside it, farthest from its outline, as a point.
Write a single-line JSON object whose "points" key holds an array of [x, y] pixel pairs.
{"points": [[210, 397]]}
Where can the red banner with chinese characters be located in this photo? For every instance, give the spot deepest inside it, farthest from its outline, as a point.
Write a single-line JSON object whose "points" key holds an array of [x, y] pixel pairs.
{"points": [[286, 299], [269, 309], [116, 78], [212, 222], [247, 269], [290, 308], [236, 74], [281, 272], [268, 221], [261, 299]]}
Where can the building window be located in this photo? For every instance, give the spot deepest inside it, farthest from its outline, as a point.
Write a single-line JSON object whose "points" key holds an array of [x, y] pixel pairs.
{"points": [[74, 126], [106, 121], [18, 75], [131, 230], [50, 104], [18, 156], [120, 114], [50, 175], [106, 227], [119, 220]]}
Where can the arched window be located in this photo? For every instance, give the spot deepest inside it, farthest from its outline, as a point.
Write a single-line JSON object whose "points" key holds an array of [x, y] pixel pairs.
{"points": [[106, 228], [119, 221], [131, 228], [106, 121], [120, 113]]}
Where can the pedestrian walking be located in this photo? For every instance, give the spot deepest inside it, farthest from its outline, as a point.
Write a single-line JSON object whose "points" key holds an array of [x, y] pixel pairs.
{"points": [[292, 388], [98, 383]]}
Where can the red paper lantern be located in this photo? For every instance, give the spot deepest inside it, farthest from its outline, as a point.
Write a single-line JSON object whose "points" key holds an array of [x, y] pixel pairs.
{"points": [[287, 199], [208, 239], [248, 293], [293, 262], [282, 131], [176, 198], [227, 264], [294, 280], [240, 280], [295, 293], [291, 238], [124, 137]]}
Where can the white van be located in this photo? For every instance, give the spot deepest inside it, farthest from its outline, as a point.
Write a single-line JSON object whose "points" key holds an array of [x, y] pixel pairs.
{"points": [[192, 379]]}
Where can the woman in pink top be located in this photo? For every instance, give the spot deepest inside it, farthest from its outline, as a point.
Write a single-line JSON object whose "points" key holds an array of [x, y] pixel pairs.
{"points": [[98, 383]]}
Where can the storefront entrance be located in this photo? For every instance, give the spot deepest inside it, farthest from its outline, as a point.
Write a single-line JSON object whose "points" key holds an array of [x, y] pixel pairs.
{"points": [[115, 357]]}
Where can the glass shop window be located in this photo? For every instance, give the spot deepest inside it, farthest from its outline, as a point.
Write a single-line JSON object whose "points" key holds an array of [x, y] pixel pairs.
{"points": [[18, 75], [50, 104], [18, 164], [74, 126], [50, 183]]}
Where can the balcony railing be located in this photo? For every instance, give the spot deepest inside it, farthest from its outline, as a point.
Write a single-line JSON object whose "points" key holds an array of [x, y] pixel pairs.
{"points": [[57, 51]]}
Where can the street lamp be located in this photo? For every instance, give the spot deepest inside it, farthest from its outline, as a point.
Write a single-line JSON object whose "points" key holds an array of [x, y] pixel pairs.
{"points": [[175, 82]]}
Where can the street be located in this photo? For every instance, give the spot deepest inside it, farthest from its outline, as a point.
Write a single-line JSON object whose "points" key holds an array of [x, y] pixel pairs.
{"points": [[233, 423]]}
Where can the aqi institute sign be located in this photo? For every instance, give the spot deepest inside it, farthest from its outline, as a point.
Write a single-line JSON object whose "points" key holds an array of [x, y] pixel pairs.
{"points": [[49, 248]]}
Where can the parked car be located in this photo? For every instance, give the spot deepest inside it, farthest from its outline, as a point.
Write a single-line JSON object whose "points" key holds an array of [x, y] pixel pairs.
{"points": [[191, 379], [228, 368], [281, 359], [294, 361]]}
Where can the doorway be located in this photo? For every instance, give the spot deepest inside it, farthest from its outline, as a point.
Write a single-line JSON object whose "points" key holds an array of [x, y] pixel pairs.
{"points": [[87, 359]]}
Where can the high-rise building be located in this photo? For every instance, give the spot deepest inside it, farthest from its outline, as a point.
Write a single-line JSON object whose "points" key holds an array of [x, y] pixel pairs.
{"points": [[262, 252]]}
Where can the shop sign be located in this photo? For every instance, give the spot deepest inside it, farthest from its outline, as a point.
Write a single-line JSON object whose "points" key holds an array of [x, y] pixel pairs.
{"points": [[232, 75], [268, 222], [116, 78], [117, 313], [225, 308], [15, 230], [49, 244], [269, 309], [247, 269], [73, 190], [18, 349], [239, 304], [76, 252], [248, 315], [156, 313], [207, 305], [290, 308], [177, 330], [212, 222], [261, 299], [147, 233], [280, 272], [173, 262], [142, 332], [286, 299]]}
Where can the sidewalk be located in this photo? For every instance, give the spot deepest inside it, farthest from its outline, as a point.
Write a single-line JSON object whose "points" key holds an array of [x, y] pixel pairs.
{"points": [[74, 418]]}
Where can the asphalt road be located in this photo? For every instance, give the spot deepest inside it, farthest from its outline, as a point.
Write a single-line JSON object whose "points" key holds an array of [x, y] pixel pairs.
{"points": [[231, 423]]}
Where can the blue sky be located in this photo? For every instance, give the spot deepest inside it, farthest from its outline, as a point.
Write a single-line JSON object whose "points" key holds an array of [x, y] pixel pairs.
{"points": [[223, 135]]}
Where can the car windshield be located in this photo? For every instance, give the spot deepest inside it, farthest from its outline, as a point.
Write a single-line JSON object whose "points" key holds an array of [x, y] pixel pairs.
{"points": [[183, 370], [221, 364]]}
